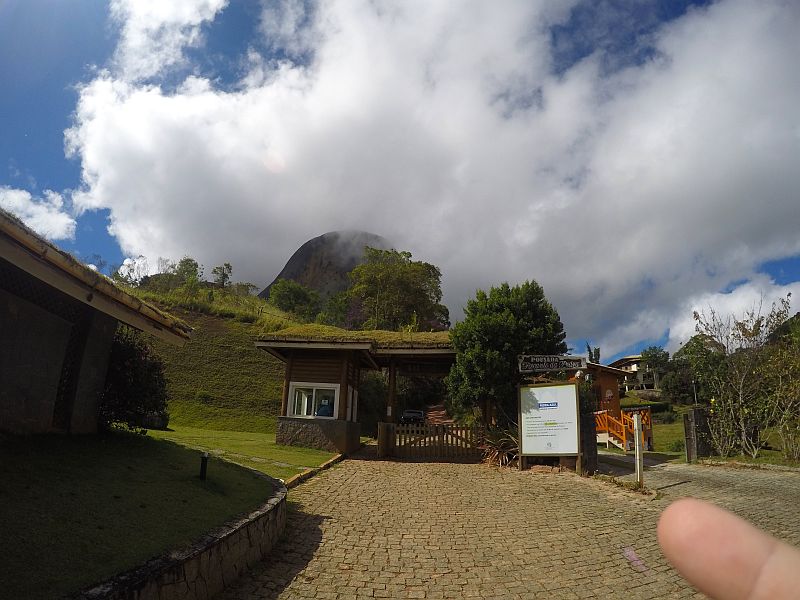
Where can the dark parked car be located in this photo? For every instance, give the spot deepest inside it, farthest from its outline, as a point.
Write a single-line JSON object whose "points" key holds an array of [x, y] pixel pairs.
{"points": [[412, 417]]}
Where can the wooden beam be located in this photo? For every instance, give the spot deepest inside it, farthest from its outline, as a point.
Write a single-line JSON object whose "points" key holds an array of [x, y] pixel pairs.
{"points": [[287, 378], [343, 387], [391, 404]]}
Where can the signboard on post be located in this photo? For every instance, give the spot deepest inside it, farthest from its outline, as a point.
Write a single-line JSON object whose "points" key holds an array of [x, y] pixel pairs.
{"points": [[537, 363], [548, 419]]}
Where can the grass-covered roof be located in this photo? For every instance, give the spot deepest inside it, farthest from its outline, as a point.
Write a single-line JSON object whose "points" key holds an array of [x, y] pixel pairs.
{"points": [[382, 339]]}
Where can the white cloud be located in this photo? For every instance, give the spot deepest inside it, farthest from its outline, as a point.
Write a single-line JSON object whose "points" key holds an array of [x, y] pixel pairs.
{"points": [[154, 33], [46, 216], [444, 128]]}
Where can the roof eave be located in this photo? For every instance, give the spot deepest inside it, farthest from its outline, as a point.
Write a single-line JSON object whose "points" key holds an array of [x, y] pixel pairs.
{"points": [[45, 262]]}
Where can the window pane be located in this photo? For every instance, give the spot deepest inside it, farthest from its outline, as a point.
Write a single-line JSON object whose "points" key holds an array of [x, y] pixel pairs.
{"points": [[302, 401], [323, 402]]}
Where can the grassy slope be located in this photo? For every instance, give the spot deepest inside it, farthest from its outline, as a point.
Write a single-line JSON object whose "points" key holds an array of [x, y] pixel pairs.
{"points": [[65, 526], [219, 380]]}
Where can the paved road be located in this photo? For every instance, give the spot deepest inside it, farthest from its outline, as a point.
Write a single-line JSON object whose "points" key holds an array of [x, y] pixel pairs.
{"points": [[368, 528], [769, 498]]}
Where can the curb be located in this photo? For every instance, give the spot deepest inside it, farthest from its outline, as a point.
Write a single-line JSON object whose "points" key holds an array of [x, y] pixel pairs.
{"points": [[735, 464], [296, 480]]}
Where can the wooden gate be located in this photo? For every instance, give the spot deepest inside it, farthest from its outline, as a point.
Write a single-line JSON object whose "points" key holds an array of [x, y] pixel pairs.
{"points": [[429, 441]]}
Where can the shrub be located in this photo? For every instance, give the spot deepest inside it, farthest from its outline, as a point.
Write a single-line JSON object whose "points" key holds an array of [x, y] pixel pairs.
{"points": [[500, 446], [135, 392], [677, 446], [204, 397], [665, 417]]}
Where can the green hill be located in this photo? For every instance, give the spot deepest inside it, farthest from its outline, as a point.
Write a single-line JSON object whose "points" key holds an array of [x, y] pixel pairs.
{"points": [[219, 380]]}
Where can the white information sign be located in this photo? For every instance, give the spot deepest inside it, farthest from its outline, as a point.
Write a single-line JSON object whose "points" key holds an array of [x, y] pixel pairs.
{"points": [[548, 419]]}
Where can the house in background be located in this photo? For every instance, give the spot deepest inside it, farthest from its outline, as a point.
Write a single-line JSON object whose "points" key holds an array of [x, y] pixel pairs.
{"points": [[637, 375], [606, 381], [57, 322]]}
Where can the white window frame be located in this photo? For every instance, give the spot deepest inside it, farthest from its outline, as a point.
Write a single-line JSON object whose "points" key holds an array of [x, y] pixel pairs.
{"points": [[315, 386]]}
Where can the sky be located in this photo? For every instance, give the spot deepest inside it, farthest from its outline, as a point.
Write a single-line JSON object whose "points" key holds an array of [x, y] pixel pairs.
{"points": [[640, 159]]}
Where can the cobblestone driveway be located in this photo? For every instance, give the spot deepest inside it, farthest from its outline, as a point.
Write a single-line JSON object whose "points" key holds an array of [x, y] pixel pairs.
{"points": [[368, 528]]}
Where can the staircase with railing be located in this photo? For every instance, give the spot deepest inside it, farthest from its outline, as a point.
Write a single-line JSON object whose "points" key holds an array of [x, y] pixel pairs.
{"points": [[620, 431]]}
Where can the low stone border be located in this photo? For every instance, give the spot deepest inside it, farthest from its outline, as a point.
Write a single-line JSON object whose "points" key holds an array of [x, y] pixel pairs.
{"points": [[206, 568], [296, 480], [735, 464]]}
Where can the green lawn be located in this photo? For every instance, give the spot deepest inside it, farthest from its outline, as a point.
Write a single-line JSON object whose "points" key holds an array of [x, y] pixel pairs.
{"points": [[79, 509], [255, 450], [666, 435]]}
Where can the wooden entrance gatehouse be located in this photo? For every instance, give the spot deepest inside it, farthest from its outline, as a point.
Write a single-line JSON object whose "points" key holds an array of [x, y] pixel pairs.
{"points": [[320, 403]]}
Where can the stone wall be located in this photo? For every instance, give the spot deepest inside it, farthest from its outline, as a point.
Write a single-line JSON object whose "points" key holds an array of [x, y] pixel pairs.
{"points": [[205, 569], [324, 434]]}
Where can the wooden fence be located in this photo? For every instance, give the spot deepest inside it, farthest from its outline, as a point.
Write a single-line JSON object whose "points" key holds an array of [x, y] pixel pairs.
{"points": [[430, 441]]}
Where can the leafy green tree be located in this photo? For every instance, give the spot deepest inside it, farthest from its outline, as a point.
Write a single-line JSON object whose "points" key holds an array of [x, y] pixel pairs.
{"points": [[294, 297], [496, 328], [391, 288], [781, 367], [222, 274], [744, 404], [656, 360], [678, 385], [135, 389], [188, 268]]}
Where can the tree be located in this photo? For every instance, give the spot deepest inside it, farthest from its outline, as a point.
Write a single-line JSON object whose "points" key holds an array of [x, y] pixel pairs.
{"points": [[593, 354], [678, 385], [391, 288], [689, 370], [781, 364], [656, 359], [342, 310], [188, 268], [745, 402], [294, 297], [135, 388], [222, 274], [496, 328]]}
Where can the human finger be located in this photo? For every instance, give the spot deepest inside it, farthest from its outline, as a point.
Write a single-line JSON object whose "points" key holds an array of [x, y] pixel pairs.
{"points": [[725, 557]]}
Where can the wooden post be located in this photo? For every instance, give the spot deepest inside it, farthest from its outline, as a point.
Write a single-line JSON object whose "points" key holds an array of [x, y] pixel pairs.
{"points": [[286, 381], [637, 434], [385, 440], [391, 404], [343, 387]]}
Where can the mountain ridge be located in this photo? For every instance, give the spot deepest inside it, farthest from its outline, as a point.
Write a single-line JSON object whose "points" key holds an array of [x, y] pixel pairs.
{"points": [[323, 263]]}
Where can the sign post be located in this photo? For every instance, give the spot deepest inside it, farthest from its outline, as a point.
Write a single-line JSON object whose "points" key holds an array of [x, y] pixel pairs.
{"points": [[549, 422], [538, 363], [549, 415], [637, 432]]}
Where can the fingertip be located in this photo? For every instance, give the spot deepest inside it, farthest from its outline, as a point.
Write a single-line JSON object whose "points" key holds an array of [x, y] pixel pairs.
{"points": [[678, 522]]}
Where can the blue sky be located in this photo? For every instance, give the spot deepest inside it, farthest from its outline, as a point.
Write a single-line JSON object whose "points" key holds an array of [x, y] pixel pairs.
{"points": [[636, 158]]}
